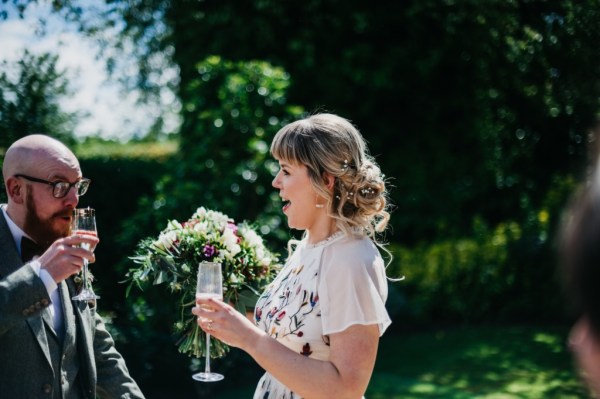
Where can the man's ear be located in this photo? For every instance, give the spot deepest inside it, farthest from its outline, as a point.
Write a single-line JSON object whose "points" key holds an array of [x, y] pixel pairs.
{"points": [[15, 190]]}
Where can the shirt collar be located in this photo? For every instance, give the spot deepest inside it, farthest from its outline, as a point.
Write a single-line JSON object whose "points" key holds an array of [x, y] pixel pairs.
{"points": [[15, 230]]}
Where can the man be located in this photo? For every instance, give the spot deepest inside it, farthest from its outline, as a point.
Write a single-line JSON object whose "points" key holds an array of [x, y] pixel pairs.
{"points": [[50, 345]]}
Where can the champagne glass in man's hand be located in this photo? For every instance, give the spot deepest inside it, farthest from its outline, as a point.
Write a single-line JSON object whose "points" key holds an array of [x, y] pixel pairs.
{"points": [[209, 285], [84, 222]]}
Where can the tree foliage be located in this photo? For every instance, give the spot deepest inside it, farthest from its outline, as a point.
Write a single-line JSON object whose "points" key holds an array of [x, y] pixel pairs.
{"points": [[479, 103], [30, 94]]}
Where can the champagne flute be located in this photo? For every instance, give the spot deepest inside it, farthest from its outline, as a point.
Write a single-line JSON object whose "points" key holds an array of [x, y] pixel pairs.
{"points": [[84, 222], [209, 285]]}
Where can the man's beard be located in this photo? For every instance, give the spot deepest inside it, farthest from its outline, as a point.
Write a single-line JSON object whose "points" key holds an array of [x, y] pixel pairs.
{"points": [[43, 230]]}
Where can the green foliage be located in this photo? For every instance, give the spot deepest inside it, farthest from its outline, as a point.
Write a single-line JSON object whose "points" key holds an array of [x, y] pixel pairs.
{"points": [[117, 185], [489, 276], [30, 92], [487, 100], [231, 112]]}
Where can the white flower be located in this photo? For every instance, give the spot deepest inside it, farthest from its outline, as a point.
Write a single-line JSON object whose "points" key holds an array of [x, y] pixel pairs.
{"points": [[265, 261], [175, 225], [200, 213], [263, 258], [235, 249], [201, 227], [165, 240], [230, 240], [253, 239]]}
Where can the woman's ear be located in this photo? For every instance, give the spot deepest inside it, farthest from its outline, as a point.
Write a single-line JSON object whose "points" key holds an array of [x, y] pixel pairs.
{"points": [[15, 190], [329, 180]]}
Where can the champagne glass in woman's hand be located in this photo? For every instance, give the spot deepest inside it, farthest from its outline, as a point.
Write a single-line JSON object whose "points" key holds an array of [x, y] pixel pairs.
{"points": [[209, 285], [84, 222]]}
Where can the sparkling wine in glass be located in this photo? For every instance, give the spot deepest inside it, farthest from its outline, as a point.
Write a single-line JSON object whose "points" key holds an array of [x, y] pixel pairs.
{"points": [[84, 222], [209, 285]]}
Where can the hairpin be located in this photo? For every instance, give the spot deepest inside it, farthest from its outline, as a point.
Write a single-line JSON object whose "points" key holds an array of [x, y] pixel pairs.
{"points": [[345, 165]]}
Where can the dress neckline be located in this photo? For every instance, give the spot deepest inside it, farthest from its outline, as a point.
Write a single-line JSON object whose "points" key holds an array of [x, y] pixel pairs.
{"points": [[338, 234]]}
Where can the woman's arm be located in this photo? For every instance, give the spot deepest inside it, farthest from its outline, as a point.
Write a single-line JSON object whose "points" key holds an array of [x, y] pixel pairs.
{"points": [[345, 375]]}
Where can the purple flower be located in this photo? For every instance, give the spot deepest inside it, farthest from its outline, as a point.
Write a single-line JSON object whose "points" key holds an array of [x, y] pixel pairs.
{"points": [[209, 251]]}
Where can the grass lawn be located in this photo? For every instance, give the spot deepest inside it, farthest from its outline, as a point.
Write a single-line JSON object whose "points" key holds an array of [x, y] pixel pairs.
{"points": [[477, 362], [517, 362]]}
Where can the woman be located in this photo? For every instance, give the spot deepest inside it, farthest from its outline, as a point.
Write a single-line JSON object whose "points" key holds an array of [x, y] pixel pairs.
{"points": [[317, 325]]}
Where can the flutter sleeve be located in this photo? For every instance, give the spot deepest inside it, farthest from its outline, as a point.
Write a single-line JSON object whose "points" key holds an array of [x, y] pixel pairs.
{"points": [[353, 286]]}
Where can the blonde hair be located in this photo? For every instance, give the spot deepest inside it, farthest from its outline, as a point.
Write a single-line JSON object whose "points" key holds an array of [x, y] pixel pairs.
{"points": [[328, 143]]}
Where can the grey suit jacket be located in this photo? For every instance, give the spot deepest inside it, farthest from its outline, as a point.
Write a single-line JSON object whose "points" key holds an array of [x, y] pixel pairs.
{"points": [[28, 365]]}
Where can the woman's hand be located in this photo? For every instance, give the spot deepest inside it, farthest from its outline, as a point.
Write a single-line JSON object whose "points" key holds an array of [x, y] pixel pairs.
{"points": [[224, 322]]}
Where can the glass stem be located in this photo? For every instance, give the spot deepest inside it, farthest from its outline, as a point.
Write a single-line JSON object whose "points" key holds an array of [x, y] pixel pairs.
{"points": [[207, 362], [84, 274]]}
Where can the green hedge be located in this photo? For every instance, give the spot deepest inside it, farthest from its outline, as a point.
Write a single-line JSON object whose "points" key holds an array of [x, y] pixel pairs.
{"points": [[503, 273]]}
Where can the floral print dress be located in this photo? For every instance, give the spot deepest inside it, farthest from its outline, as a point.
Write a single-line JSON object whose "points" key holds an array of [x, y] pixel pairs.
{"points": [[323, 288]]}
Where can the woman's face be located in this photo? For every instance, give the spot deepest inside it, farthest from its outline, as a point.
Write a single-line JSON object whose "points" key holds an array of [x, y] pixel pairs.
{"points": [[299, 196], [586, 347]]}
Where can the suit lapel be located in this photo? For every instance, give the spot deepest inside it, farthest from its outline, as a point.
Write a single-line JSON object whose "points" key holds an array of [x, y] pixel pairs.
{"points": [[11, 261], [84, 336], [47, 317], [69, 317], [36, 324]]}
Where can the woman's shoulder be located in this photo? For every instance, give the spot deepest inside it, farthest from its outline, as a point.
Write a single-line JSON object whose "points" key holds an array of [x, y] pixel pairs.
{"points": [[352, 251], [354, 244]]}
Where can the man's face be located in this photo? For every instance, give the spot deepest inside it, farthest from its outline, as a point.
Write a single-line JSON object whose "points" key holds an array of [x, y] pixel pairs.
{"points": [[49, 222], [48, 218], [32, 167]]}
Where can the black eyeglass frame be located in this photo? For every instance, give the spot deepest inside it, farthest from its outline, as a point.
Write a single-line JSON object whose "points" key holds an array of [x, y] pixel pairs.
{"points": [[81, 185]]}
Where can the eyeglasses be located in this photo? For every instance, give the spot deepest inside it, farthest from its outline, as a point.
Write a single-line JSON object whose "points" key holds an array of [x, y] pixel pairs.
{"points": [[61, 188]]}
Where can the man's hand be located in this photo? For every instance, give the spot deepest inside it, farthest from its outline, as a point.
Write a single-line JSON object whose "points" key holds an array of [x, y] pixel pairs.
{"points": [[65, 256]]}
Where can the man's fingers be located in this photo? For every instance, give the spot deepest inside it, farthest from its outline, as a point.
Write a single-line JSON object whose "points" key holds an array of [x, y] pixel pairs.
{"points": [[77, 239]]}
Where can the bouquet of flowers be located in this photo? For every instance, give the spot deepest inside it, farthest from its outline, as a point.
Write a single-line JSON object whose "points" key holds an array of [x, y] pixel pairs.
{"points": [[173, 258]]}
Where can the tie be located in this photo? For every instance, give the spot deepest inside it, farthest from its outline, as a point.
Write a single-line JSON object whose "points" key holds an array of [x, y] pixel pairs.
{"points": [[29, 249]]}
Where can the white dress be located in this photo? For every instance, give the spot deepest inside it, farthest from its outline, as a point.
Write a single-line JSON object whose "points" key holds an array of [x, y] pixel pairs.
{"points": [[323, 288]]}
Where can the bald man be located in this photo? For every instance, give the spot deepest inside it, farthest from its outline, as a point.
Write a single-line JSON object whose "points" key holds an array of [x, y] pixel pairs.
{"points": [[50, 346]]}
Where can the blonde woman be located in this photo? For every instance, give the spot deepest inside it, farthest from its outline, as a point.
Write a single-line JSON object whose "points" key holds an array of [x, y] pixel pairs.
{"points": [[317, 326]]}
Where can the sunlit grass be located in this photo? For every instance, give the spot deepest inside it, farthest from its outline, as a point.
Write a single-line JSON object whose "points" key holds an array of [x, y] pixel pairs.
{"points": [[480, 362], [136, 150]]}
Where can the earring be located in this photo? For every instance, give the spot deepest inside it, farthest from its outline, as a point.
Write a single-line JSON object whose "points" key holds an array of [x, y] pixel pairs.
{"points": [[319, 206]]}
